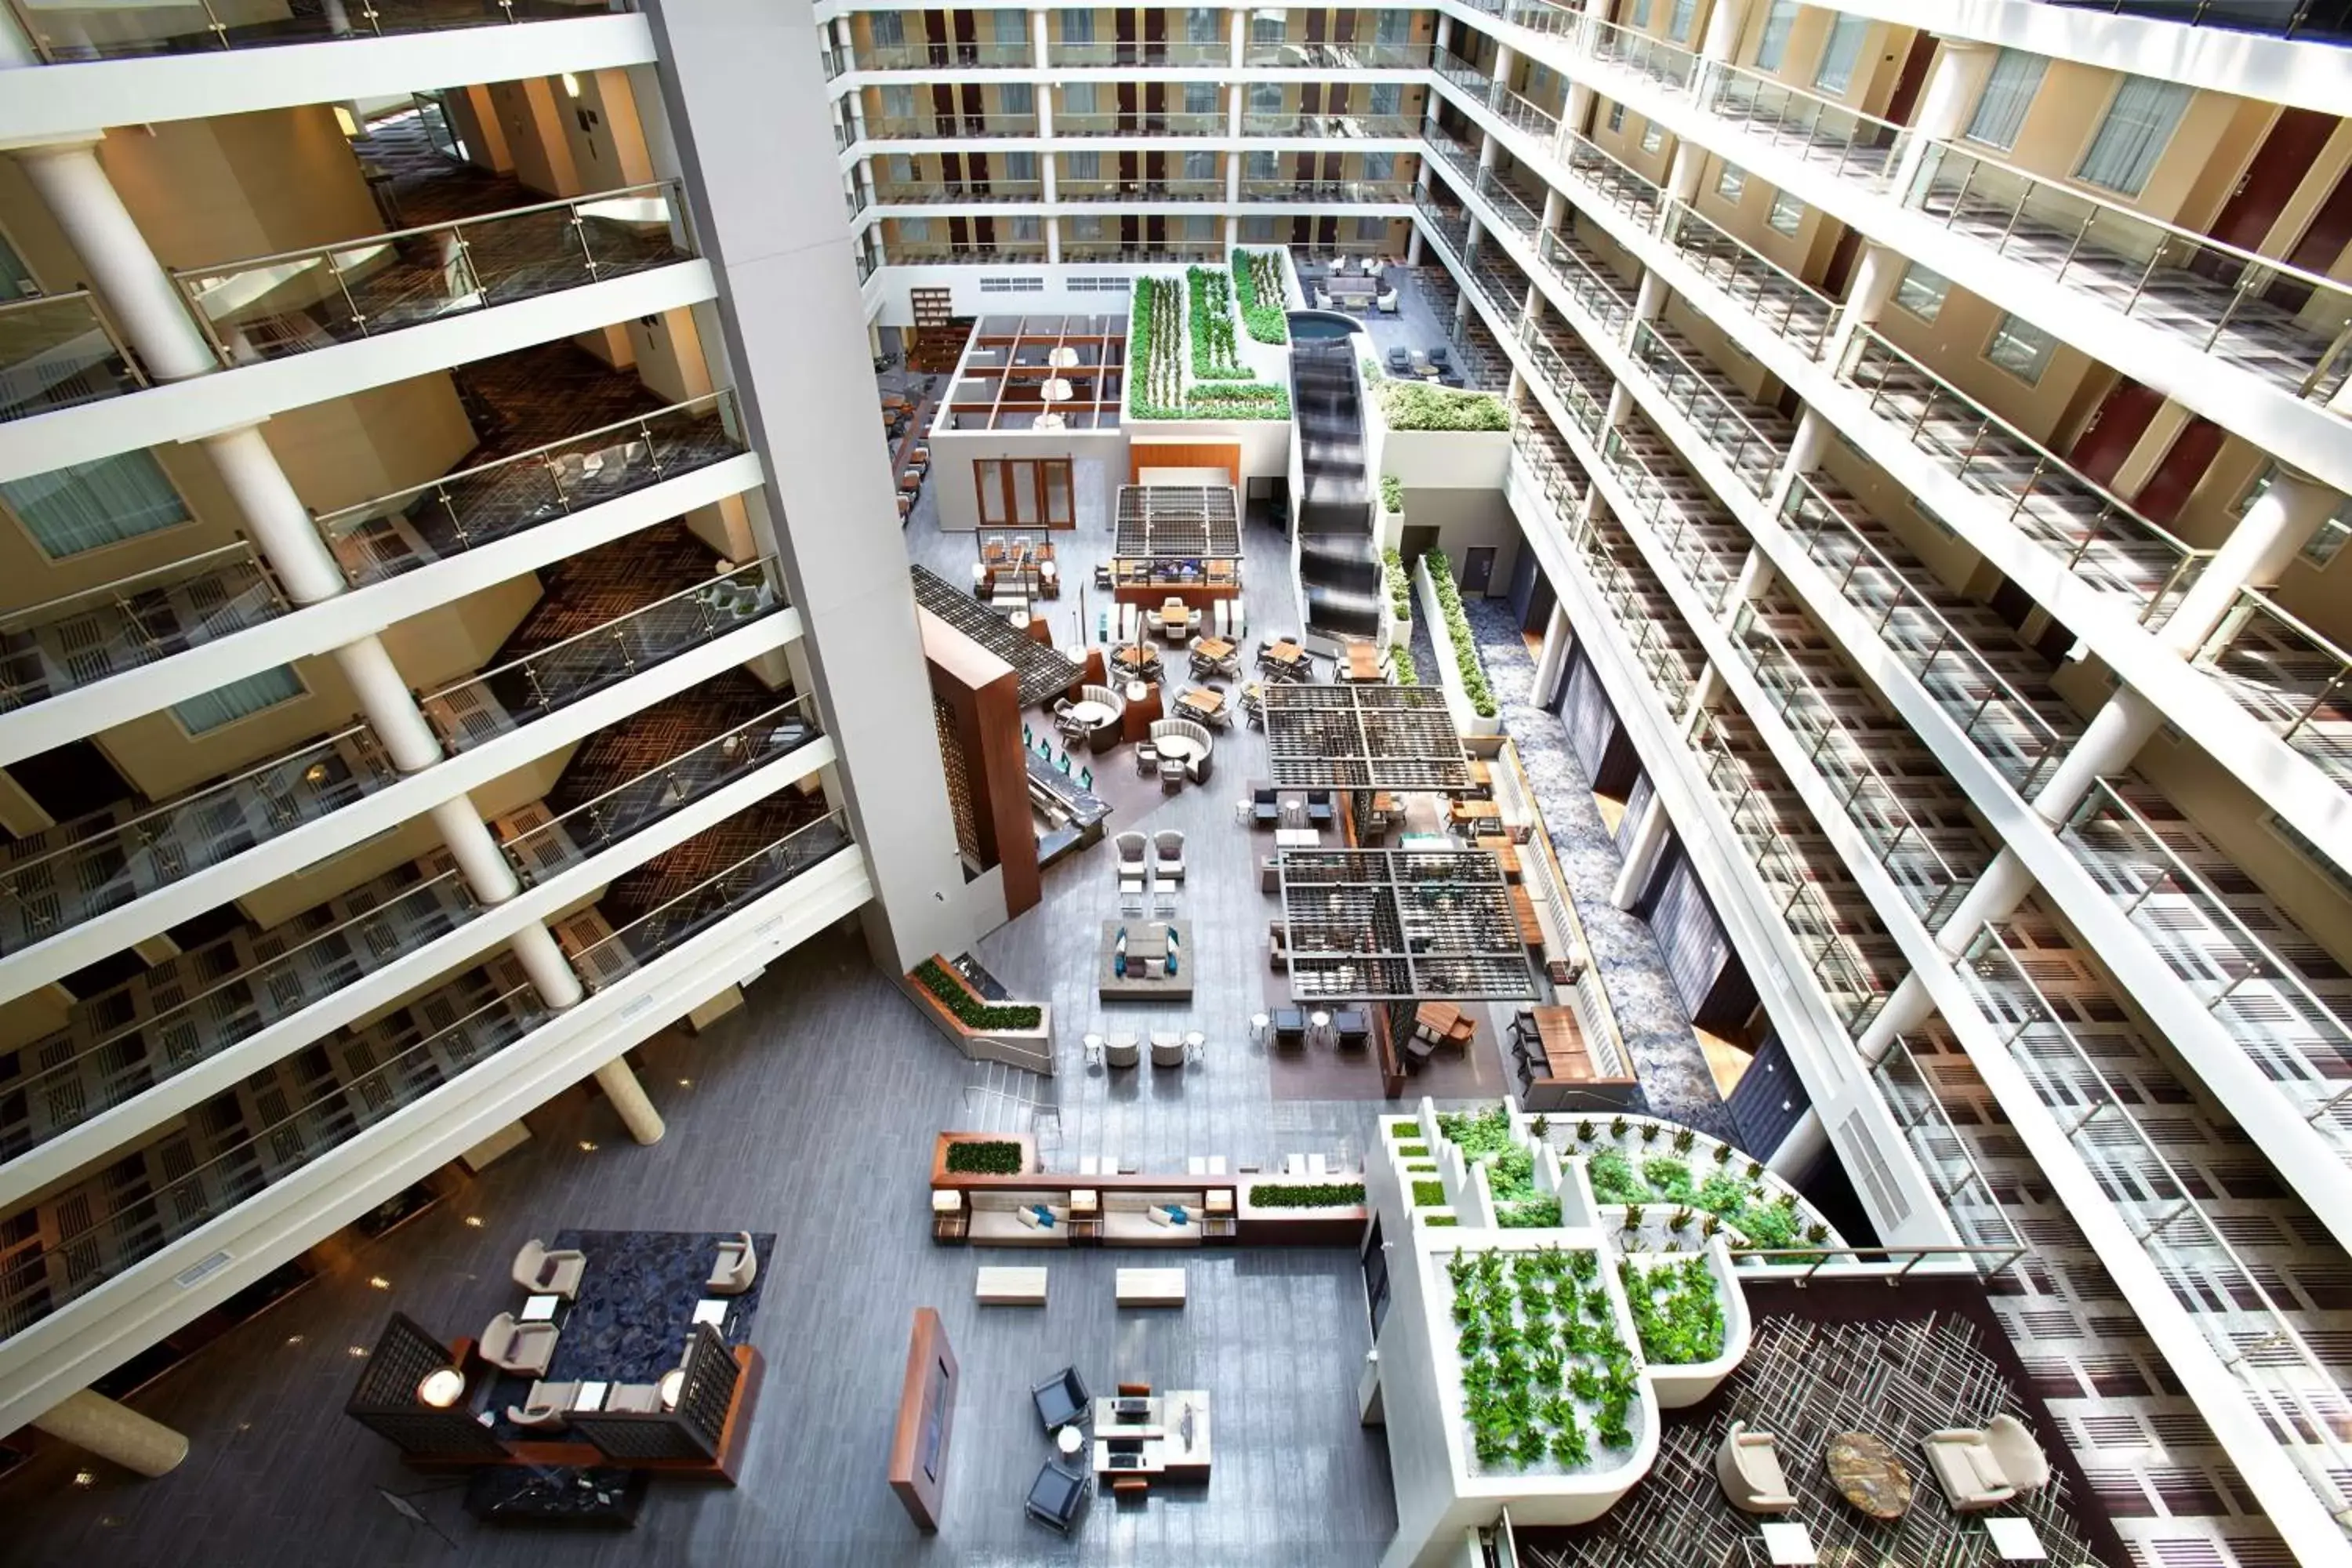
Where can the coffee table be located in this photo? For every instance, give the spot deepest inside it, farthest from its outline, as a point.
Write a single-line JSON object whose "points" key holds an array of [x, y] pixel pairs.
{"points": [[1789, 1542], [1867, 1473], [2014, 1540]]}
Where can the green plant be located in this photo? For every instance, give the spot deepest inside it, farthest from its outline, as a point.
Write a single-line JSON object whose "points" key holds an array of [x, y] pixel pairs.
{"points": [[1417, 406], [1156, 381], [1477, 1134], [1770, 1226], [969, 1010], [1613, 1181], [1723, 1153], [1457, 630], [1536, 1214], [1533, 1391], [1539, 1128], [1668, 1178], [1307, 1196], [1392, 493], [1634, 1216], [1429, 1194], [1412, 1151], [1439, 1219], [1257, 289], [1677, 1311], [1586, 1131], [1512, 1177], [989, 1157], [1216, 356], [1617, 1128], [1683, 1139], [1650, 1131], [1725, 1196], [1400, 664]]}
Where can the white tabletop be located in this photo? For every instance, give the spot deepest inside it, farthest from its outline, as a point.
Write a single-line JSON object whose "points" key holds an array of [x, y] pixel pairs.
{"points": [[1176, 746], [1788, 1542], [1070, 1440], [711, 1311], [589, 1396], [1297, 838], [2015, 1540], [1091, 712], [540, 1308]]}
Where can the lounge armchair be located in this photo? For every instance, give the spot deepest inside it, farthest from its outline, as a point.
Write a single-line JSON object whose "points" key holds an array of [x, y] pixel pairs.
{"points": [[737, 1265], [1167, 1050], [1968, 1469], [1062, 1400], [1147, 759], [1353, 1027], [1058, 1498], [1277, 945], [1265, 807], [1131, 849], [1121, 1051], [1749, 1466], [1167, 855], [1319, 807], [511, 1346], [549, 1271], [635, 1398], [1400, 361], [1171, 775], [2022, 1463], [1197, 767], [546, 1406], [1386, 303], [1289, 1027]]}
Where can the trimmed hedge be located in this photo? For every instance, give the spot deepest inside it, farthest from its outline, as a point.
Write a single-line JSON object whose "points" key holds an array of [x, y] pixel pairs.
{"points": [[994, 1158], [1153, 376], [1391, 492], [1257, 289], [1216, 356], [969, 1010], [1400, 585], [1417, 406], [1323, 1196], [1465, 647], [1400, 664]]}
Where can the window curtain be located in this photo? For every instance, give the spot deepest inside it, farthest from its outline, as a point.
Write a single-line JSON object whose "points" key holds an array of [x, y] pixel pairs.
{"points": [[1077, 96], [1199, 165], [1021, 166], [1678, 22], [1201, 27], [86, 505], [1838, 54], [227, 704], [1082, 165], [888, 28], [2008, 94], [1017, 98], [2133, 136], [1773, 46], [1012, 27], [1265, 98], [1267, 29], [1380, 165], [898, 102], [1077, 27], [1263, 166], [1388, 98], [1391, 27], [1199, 98]]}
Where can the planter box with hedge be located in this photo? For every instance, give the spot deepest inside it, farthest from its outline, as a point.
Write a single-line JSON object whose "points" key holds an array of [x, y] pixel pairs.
{"points": [[1307, 1195], [1020, 1032], [1417, 406], [1217, 387], [1257, 288], [1461, 673], [993, 1158]]}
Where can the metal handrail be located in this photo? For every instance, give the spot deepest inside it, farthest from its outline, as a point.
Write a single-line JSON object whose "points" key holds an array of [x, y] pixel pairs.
{"points": [[1823, 1256], [1948, 635], [2233, 1355], [939, 193], [1937, 1123], [1748, 431], [947, 57], [1613, 43], [593, 972], [53, 609], [327, 519], [1680, 213], [11, 873], [1726, 71], [1867, 337], [2253, 602], [181, 275], [1164, 54], [2104, 800], [774, 601]]}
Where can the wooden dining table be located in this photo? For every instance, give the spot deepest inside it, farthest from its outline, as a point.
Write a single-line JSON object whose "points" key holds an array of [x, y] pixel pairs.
{"points": [[1286, 652], [1474, 811], [1563, 1045], [1135, 656], [1214, 648], [1506, 854], [1523, 904], [1202, 699], [1363, 662]]}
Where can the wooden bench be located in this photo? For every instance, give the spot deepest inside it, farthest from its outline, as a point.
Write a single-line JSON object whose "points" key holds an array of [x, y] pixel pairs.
{"points": [[1151, 1287], [1002, 1287]]}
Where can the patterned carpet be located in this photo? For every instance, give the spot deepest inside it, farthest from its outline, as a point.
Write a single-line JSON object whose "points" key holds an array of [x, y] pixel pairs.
{"points": [[1667, 1055]]}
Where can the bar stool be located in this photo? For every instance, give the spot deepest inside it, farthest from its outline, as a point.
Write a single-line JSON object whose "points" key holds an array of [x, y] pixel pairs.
{"points": [[1259, 1023], [1195, 1044], [1094, 1044]]}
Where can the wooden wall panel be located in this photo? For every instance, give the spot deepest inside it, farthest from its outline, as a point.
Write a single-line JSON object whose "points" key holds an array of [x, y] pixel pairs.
{"points": [[1225, 454]]}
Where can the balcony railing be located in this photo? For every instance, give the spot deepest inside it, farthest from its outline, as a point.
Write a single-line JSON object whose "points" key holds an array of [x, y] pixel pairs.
{"points": [[2287, 1029], [469, 711], [347, 1097], [1338, 127], [2006, 728], [58, 352], [90, 32], [1686, 520], [948, 127], [2315, 20], [1140, 190], [1952, 1172], [892, 193], [1452, 224], [1632, 194], [1303, 56], [1139, 56], [472, 507], [1905, 850], [82, 639], [681, 918], [1753, 456], [1591, 284], [1140, 122], [272, 306], [1115, 253], [2287, 674], [2101, 538], [1795, 310], [2278, 321], [2227, 1300], [1821, 130], [1393, 192], [82, 869], [946, 56], [913, 253], [1586, 407], [1669, 65]]}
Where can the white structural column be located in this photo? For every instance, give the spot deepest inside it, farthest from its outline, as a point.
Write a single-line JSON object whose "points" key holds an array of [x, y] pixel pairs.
{"points": [[97, 1425], [1506, 57], [1958, 79], [1649, 833], [1721, 39], [1037, 18], [1805, 448], [629, 1098], [2274, 529], [74, 186], [1873, 285]]}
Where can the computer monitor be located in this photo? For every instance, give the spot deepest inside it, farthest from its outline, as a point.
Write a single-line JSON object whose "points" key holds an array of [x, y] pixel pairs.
{"points": [[1131, 1406]]}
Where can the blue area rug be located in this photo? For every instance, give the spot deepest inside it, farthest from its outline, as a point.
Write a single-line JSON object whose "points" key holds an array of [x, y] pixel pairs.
{"points": [[1650, 1014], [636, 1300]]}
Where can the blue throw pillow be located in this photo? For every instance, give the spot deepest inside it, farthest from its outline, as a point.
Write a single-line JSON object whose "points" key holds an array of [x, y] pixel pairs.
{"points": [[1045, 1216], [1176, 1215]]}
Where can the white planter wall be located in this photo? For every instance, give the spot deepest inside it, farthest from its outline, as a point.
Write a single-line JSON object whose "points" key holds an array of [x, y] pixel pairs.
{"points": [[1448, 675]]}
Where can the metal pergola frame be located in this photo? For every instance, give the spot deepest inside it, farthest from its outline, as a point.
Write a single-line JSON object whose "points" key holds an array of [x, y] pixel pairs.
{"points": [[1403, 927], [1363, 736], [1177, 522]]}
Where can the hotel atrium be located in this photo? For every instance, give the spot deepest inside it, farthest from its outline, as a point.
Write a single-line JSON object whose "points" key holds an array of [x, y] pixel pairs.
{"points": [[1604, 744]]}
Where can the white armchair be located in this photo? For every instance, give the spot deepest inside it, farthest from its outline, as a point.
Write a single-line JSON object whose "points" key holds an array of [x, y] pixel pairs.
{"points": [[1131, 849], [2022, 1463], [1387, 303], [511, 1346], [737, 1265], [549, 1271], [1968, 1470], [547, 1405], [1748, 1468], [1167, 855]]}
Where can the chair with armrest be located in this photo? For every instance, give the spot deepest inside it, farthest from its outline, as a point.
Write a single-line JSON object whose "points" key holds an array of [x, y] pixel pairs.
{"points": [[633, 1398], [1266, 806], [547, 1405], [1289, 1027], [1056, 1498], [737, 1265], [1061, 1399], [1319, 808], [1749, 1466], [1167, 855], [549, 1271], [2022, 1463], [1968, 1469], [1132, 855], [1277, 945], [511, 1346]]}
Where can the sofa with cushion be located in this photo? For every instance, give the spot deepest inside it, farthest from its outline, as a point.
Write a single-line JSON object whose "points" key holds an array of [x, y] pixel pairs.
{"points": [[1145, 1218], [1002, 1218]]}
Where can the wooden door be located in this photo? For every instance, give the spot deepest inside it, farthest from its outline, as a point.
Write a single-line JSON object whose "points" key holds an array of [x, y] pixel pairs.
{"points": [[1303, 168], [936, 39], [958, 234], [951, 170], [979, 173], [1916, 66], [1155, 104], [2179, 472], [983, 232], [1343, 27], [967, 40], [1155, 36], [1123, 28], [1155, 230], [2115, 427], [1314, 26], [1310, 97], [975, 110], [1327, 233], [2323, 241], [2270, 181], [1331, 168], [1302, 229], [1127, 106], [1840, 270], [1129, 160], [1130, 229], [943, 109], [1155, 169], [1477, 570]]}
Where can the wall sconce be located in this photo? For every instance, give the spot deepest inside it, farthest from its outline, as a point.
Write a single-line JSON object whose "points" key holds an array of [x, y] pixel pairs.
{"points": [[570, 85]]}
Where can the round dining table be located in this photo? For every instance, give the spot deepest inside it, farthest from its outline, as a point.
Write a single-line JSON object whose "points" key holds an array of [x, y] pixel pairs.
{"points": [[1093, 714], [1182, 748]]}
